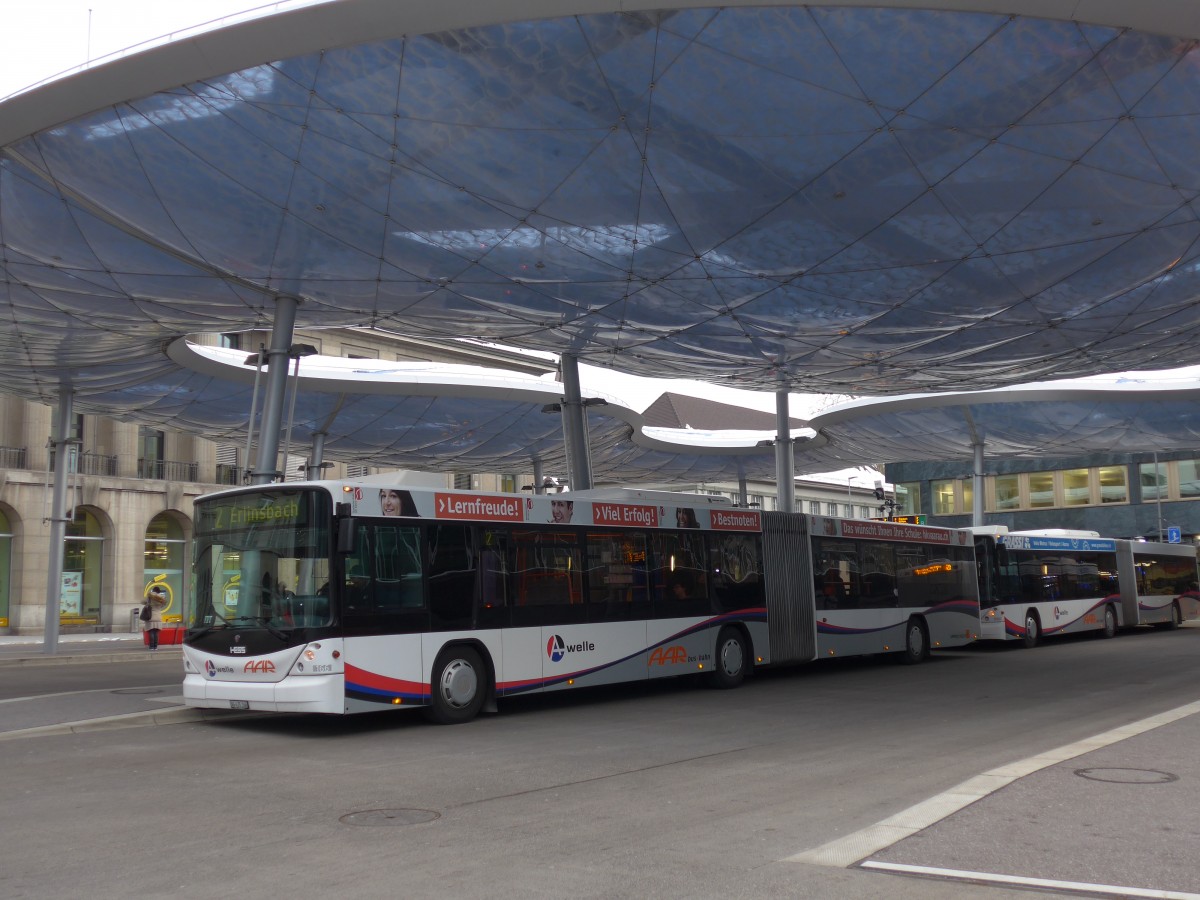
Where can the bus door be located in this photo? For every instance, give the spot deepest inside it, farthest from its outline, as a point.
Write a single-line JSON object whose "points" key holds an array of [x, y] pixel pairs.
{"points": [[990, 561], [384, 608]]}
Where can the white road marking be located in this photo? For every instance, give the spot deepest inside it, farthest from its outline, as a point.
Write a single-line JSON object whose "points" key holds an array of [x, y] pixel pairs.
{"points": [[848, 850], [1021, 881]]}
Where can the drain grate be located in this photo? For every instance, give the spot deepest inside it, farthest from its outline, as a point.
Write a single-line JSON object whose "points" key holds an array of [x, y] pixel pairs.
{"points": [[376, 817], [1127, 776]]}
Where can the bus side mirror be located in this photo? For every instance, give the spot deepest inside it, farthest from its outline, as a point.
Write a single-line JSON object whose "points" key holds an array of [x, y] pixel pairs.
{"points": [[347, 537], [1002, 556]]}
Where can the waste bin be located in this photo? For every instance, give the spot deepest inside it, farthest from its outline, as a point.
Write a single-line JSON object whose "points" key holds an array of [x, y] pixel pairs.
{"points": [[135, 621]]}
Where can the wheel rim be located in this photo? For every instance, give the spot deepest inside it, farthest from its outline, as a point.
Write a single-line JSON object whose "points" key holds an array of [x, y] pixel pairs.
{"points": [[732, 657], [459, 683], [916, 641], [1031, 628], [1110, 622]]}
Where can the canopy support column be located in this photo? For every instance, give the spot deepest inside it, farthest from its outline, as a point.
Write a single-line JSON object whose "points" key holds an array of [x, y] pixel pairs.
{"points": [[316, 458], [785, 462], [977, 436], [977, 492], [266, 469], [61, 442], [574, 418]]}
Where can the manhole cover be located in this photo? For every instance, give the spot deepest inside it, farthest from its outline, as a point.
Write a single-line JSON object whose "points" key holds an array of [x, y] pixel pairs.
{"points": [[390, 817], [138, 691], [1128, 776]]}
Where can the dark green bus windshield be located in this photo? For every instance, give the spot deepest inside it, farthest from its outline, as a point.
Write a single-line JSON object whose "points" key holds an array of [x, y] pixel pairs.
{"points": [[262, 560]]}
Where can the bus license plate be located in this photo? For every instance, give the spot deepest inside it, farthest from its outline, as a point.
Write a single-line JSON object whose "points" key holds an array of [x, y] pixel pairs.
{"points": [[239, 704]]}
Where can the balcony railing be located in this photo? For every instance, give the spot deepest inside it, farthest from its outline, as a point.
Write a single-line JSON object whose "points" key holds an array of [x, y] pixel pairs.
{"points": [[12, 457], [106, 465], [97, 464], [227, 474], [168, 470]]}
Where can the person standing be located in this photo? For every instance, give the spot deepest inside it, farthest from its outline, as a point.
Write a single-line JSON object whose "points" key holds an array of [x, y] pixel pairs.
{"points": [[156, 601]]}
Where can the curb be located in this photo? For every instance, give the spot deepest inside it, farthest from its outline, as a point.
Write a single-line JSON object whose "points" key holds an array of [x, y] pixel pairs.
{"points": [[177, 716], [129, 655]]}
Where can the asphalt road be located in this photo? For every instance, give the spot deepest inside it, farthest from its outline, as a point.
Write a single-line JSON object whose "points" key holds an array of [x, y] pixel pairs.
{"points": [[661, 790]]}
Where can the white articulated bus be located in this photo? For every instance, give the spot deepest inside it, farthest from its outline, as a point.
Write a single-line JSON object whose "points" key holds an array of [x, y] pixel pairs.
{"points": [[1158, 583], [341, 597], [1036, 584]]}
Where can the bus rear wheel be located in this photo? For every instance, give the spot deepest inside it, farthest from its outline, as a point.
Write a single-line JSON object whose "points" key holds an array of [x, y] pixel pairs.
{"points": [[1110, 623], [1033, 630], [1176, 617], [916, 643], [458, 687], [732, 659]]}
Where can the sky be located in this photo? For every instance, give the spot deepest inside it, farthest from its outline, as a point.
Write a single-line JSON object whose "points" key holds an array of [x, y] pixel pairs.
{"points": [[44, 39], [41, 39]]}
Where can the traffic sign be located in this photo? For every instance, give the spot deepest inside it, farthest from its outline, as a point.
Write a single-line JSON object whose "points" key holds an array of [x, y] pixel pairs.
{"points": [[1174, 534]]}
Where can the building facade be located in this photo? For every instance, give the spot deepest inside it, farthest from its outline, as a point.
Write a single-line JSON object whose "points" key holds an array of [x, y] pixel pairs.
{"points": [[1123, 495]]}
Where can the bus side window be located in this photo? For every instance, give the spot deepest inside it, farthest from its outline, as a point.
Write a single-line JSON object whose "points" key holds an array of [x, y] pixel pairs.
{"points": [[548, 569], [452, 563], [494, 575], [397, 568], [679, 579], [735, 561]]}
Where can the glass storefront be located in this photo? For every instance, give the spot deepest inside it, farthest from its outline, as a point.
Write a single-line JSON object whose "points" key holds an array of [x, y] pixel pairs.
{"points": [[83, 570], [163, 564], [6, 542]]}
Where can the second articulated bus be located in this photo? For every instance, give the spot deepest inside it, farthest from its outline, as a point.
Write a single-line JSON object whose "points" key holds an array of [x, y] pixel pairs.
{"points": [[1045, 583], [1038, 584], [340, 597]]}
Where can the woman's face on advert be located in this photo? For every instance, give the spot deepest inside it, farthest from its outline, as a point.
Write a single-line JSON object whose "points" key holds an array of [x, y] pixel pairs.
{"points": [[391, 502]]}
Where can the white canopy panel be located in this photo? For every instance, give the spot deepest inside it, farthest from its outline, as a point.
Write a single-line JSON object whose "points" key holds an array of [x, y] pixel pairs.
{"points": [[825, 199]]}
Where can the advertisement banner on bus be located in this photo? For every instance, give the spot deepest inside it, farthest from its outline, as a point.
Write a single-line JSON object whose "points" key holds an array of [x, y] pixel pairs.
{"points": [[734, 520], [1044, 542], [625, 514], [889, 531], [479, 507]]}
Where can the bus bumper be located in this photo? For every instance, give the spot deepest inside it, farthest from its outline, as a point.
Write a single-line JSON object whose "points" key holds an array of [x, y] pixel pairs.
{"points": [[295, 693]]}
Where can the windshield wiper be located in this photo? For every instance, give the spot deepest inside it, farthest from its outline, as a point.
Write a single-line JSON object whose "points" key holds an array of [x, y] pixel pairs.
{"points": [[205, 629], [282, 635]]}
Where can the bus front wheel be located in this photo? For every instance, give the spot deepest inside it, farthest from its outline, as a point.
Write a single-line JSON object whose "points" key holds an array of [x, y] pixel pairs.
{"points": [[732, 659], [1176, 617], [1033, 630], [458, 687], [916, 643]]}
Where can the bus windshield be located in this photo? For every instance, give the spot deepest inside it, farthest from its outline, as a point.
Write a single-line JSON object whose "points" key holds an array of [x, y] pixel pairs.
{"points": [[262, 560]]}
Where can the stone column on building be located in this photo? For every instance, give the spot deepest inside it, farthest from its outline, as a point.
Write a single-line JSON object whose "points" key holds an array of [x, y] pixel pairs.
{"points": [[125, 448], [35, 435]]}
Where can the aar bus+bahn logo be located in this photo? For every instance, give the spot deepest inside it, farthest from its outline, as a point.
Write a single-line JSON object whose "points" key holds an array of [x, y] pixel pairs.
{"points": [[668, 656], [557, 648]]}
